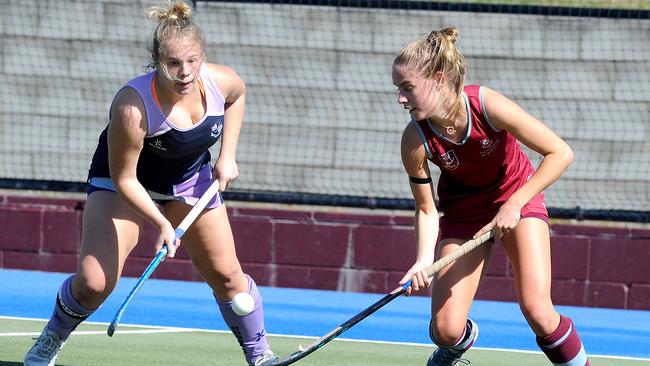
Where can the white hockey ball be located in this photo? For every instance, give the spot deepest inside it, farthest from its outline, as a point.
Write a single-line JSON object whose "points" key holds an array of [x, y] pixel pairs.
{"points": [[243, 304]]}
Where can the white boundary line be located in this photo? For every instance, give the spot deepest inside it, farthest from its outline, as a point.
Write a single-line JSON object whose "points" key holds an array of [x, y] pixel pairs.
{"points": [[152, 329], [101, 332]]}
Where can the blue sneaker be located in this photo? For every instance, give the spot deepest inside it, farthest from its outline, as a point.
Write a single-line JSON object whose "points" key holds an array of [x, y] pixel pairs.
{"points": [[451, 356]]}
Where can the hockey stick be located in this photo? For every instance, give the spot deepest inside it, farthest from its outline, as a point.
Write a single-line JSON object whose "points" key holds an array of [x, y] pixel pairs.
{"points": [[431, 270], [162, 253]]}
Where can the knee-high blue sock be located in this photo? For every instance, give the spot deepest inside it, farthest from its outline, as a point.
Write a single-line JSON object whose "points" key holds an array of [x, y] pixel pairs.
{"points": [[68, 313], [248, 329]]}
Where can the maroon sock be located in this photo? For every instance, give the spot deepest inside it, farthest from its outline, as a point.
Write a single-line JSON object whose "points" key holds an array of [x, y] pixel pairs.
{"points": [[563, 346]]}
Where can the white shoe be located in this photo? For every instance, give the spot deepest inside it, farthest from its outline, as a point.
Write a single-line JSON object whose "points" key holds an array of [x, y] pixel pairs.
{"points": [[45, 350], [266, 359]]}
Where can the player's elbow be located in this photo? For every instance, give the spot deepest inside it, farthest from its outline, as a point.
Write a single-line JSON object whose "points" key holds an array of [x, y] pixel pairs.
{"points": [[426, 210], [561, 154], [567, 154], [123, 185]]}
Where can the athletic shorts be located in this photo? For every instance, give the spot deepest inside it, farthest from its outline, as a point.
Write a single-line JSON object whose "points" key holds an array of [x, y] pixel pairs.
{"points": [[188, 191], [461, 228]]}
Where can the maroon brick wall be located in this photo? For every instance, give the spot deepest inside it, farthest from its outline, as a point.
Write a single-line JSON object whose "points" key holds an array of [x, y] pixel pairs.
{"points": [[593, 265]]}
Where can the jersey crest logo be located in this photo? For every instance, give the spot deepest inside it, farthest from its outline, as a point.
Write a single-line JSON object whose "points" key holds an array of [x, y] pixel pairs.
{"points": [[216, 130], [488, 146], [449, 160]]}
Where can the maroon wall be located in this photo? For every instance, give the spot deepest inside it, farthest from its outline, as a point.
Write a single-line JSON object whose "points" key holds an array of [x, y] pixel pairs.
{"points": [[596, 266]]}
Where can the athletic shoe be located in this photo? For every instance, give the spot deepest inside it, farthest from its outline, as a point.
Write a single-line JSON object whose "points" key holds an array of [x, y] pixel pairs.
{"points": [[266, 359], [452, 355], [45, 350], [446, 357]]}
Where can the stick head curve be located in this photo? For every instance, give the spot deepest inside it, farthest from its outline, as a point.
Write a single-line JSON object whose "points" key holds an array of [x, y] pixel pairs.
{"points": [[110, 330]]}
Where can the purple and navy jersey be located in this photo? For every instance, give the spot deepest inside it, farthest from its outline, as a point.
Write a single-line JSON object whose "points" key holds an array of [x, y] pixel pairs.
{"points": [[170, 155], [481, 171]]}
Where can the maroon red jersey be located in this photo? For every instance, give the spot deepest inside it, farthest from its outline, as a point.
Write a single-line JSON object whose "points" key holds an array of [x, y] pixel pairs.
{"points": [[479, 173]]}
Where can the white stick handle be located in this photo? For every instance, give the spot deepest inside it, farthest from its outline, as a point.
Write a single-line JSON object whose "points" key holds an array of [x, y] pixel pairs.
{"points": [[197, 209], [459, 252]]}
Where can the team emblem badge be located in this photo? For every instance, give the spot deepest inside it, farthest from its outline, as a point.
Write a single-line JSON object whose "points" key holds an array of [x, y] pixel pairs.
{"points": [[449, 160]]}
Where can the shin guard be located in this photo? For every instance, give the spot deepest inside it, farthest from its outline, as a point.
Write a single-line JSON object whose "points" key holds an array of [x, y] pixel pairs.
{"points": [[248, 329], [563, 346], [68, 313]]}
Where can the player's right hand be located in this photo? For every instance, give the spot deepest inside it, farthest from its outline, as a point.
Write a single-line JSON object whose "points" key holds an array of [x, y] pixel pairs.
{"points": [[167, 237], [418, 276]]}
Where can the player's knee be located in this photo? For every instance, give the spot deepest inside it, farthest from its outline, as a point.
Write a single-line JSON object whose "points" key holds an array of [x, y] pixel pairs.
{"points": [[93, 290], [445, 334], [539, 314], [226, 280]]}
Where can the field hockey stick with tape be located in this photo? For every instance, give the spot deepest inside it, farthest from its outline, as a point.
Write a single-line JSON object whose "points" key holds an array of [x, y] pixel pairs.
{"points": [[431, 270], [162, 253]]}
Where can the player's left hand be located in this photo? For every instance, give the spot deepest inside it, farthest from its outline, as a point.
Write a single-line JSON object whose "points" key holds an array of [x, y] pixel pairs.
{"points": [[226, 171], [504, 222]]}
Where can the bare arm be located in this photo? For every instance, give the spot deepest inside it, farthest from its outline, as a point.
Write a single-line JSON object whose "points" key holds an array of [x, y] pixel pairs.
{"points": [[426, 214], [234, 90], [126, 134], [557, 155]]}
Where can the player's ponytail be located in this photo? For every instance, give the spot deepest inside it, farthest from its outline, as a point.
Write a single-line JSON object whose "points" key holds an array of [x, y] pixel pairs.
{"points": [[437, 52], [446, 57], [176, 14]]}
